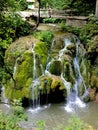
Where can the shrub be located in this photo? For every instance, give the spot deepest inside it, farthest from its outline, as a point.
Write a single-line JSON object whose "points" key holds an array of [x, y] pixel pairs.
{"points": [[10, 121], [50, 20], [45, 36], [76, 124]]}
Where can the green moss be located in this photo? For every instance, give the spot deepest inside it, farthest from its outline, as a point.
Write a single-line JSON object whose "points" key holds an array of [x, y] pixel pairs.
{"points": [[56, 68], [56, 81], [45, 84], [41, 49], [52, 82], [23, 77], [24, 71], [12, 93], [68, 72]]}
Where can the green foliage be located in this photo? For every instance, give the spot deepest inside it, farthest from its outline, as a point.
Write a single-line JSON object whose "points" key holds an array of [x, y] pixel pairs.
{"points": [[11, 25], [18, 110], [10, 121], [12, 5], [77, 7], [45, 36], [89, 31], [70, 29], [85, 33], [50, 20], [57, 4], [83, 7], [23, 4], [41, 125], [76, 124]]}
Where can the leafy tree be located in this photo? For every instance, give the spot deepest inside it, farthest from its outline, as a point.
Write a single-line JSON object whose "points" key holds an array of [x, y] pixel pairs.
{"points": [[11, 26]]}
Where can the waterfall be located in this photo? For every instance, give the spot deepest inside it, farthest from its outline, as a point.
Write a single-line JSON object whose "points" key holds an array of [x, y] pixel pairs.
{"points": [[67, 43], [72, 91], [3, 98], [66, 84], [48, 66], [34, 63], [78, 73], [35, 94], [73, 98]]}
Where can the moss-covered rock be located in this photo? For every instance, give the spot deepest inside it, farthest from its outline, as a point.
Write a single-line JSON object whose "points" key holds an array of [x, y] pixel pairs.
{"points": [[26, 62], [40, 49], [24, 73], [19, 62], [48, 83], [55, 68], [52, 89], [68, 72], [19, 87]]}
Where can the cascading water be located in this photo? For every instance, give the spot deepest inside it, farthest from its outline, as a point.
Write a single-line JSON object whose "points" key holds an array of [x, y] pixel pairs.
{"points": [[47, 67], [34, 64], [67, 42], [61, 52], [34, 92], [73, 98], [3, 97]]}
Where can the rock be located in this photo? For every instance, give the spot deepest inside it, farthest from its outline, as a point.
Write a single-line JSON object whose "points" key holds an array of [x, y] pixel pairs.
{"points": [[19, 61], [55, 68], [40, 49]]}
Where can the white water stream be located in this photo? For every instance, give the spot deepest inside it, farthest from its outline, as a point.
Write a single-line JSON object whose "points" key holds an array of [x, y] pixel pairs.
{"points": [[72, 96], [73, 100]]}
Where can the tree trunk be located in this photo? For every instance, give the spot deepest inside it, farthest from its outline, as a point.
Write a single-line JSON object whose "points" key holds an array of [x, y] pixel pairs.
{"points": [[38, 17], [96, 11]]}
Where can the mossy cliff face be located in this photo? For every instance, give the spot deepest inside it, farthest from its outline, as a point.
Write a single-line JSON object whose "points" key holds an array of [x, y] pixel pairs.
{"points": [[30, 59], [19, 64]]}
